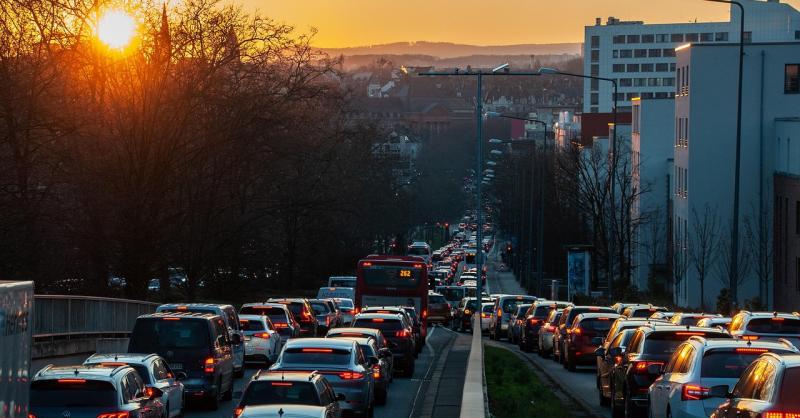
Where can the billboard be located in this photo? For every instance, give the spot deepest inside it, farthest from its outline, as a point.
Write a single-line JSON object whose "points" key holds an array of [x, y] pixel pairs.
{"points": [[578, 272]]}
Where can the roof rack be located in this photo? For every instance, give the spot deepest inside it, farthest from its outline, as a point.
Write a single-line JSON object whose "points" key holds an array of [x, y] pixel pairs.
{"points": [[699, 339]]}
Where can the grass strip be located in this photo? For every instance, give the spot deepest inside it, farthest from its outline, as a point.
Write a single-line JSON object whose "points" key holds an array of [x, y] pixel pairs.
{"points": [[514, 390]]}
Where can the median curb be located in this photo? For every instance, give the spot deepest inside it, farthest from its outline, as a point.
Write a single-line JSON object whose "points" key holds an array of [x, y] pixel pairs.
{"points": [[474, 402]]}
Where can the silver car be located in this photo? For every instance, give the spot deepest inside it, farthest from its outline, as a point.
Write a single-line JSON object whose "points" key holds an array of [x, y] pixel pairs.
{"points": [[546, 332], [342, 363]]}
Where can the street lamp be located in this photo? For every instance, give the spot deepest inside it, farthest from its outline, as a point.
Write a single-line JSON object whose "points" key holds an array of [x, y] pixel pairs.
{"points": [[491, 163], [495, 141], [553, 71], [496, 152], [734, 271]]}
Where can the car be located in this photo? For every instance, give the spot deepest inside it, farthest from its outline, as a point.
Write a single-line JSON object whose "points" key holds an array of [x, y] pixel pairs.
{"points": [[759, 326], [722, 322], [619, 307], [92, 392], [231, 318], [504, 306], [286, 410], [342, 281], [565, 321], [342, 363], [439, 310], [606, 362], [280, 316], [330, 292], [462, 319], [302, 312], [487, 310], [517, 322], [347, 309], [682, 390], [398, 332], [663, 316], [546, 332], [534, 318], [652, 344], [409, 313], [380, 341], [197, 344], [154, 372], [453, 294], [284, 390], [381, 372], [691, 318], [641, 311], [584, 336], [262, 342], [767, 388], [327, 315]]}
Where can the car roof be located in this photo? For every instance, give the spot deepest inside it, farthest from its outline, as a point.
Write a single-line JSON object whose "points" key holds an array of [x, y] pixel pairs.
{"points": [[265, 305], [592, 315], [710, 343], [518, 297], [289, 410], [339, 343], [186, 315], [397, 309], [195, 305], [370, 315], [359, 330], [666, 327], [251, 317], [90, 372], [762, 314], [121, 358]]}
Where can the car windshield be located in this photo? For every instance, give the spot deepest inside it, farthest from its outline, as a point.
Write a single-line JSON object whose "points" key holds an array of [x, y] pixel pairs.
{"points": [[436, 299], [783, 326], [275, 314], [391, 276], [270, 393], [251, 325], [314, 355], [153, 335], [80, 393], [727, 363]]}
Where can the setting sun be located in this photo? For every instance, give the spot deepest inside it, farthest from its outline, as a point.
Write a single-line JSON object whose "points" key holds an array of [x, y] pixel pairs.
{"points": [[116, 29]]}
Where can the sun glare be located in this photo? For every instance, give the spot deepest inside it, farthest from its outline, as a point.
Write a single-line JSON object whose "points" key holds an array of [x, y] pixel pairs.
{"points": [[116, 29]]}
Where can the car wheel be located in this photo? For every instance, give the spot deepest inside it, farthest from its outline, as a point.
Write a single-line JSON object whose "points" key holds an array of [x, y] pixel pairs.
{"points": [[565, 360], [604, 401]]}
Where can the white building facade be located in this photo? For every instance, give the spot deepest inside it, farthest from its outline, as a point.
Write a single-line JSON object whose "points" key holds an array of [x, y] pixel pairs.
{"points": [[641, 56]]}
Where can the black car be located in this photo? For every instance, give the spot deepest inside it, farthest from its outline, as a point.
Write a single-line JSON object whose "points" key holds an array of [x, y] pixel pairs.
{"points": [[397, 332], [606, 362], [535, 317], [651, 345], [196, 344], [462, 320]]}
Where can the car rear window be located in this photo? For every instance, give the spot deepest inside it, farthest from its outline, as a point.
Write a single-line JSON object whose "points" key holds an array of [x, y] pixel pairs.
{"points": [[597, 324], [271, 393], [788, 397], [80, 393], [251, 325], [472, 304], [488, 308], [643, 313], [436, 299], [314, 355], [274, 314], [510, 305], [665, 342], [320, 308], [541, 311], [345, 303], [577, 311], [156, 335], [453, 294], [783, 326], [382, 324], [729, 363]]}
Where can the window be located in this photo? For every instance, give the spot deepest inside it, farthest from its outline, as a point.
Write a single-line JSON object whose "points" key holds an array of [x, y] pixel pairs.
{"points": [[721, 36], [791, 80], [620, 97], [676, 37], [595, 41], [618, 39], [615, 53], [662, 67], [640, 53], [595, 84], [662, 95], [653, 82], [797, 34], [747, 37], [632, 68], [706, 37], [594, 109], [595, 99], [625, 53], [640, 82], [633, 39], [662, 37], [692, 37], [595, 69], [668, 82], [625, 82], [670, 52], [595, 55], [647, 95], [654, 53], [672, 66], [648, 39], [617, 68], [647, 68]]}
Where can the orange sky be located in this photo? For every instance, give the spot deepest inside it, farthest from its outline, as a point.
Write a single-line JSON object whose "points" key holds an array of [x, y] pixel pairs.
{"points": [[344, 23]]}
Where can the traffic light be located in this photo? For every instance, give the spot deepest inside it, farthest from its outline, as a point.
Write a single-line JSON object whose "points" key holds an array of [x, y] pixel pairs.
{"points": [[509, 250], [446, 225]]}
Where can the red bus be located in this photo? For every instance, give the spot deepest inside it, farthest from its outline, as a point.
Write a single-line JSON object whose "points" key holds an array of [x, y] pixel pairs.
{"points": [[393, 280]]}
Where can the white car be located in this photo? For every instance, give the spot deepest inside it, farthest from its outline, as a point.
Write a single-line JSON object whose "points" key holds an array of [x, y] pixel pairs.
{"points": [[486, 316], [347, 308], [683, 390], [287, 411], [262, 343]]}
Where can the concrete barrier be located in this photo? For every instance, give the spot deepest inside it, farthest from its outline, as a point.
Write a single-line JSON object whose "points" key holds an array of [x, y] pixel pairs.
{"points": [[473, 400]]}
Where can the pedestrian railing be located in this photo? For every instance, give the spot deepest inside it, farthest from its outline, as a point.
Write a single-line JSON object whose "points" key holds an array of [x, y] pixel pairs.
{"points": [[62, 316]]}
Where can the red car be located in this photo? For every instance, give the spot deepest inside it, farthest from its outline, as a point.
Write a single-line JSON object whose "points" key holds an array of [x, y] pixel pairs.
{"points": [[584, 336]]}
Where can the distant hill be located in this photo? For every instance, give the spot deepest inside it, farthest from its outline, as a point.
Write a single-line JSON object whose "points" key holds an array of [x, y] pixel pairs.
{"points": [[516, 61], [450, 50]]}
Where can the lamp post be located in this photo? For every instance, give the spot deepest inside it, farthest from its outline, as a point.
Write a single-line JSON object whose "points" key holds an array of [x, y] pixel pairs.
{"points": [[612, 174], [734, 271], [502, 70]]}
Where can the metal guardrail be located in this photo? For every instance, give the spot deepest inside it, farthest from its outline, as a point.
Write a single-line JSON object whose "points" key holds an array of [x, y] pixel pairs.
{"points": [[65, 316]]}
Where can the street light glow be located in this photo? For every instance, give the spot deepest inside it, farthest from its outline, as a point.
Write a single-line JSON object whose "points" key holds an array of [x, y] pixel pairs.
{"points": [[495, 141], [116, 29], [496, 152]]}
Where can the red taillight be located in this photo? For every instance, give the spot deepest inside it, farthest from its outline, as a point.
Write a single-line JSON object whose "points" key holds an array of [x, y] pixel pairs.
{"points": [[576, 331], [499, 313], [425, 313], [641, 366], [282, 383], [72, 381], [694, 392], [376, 372], [485, 315], [403, 333], [280, 325], [749, 350], [31, 416], [317, 350], [263, 335], [238, 411], [114, 415], [377, 319], [550, 328], [533, 321], [779, 414], [208, 365], [351, 375]]}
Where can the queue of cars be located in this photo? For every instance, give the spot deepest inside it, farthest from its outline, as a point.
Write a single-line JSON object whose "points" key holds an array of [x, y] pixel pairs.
{"points": [[652, 362]]}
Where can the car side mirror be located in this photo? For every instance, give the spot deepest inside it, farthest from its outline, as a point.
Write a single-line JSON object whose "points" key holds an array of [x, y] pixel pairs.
{"points": [[597, 341], [152, 392], [340, 397], [600, 352], [181, 376], [614, 351], [657, 369], [373, 361], [719, 391], [236, 338]]}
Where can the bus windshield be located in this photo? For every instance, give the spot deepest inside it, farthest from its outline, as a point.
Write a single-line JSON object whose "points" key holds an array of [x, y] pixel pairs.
{"points": [[391, 276]]}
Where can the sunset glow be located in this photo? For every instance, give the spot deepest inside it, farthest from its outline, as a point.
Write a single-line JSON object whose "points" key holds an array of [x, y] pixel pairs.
{"points": [[116, 29]]}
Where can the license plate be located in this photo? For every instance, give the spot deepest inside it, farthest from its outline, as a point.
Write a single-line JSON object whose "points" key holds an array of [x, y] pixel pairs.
{"points": [[176, 366]]}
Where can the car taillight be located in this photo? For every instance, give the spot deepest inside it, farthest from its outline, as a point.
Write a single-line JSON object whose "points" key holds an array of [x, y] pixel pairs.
{"points": [[425, 313], [484, 315], [31, 416], [306, 316], [208, 365], [280, 325], [467, 312], [499, 313], [376, 372], [780, 414], [114, 415], [641, 366], [576, 331], [402, 333], [351, 375], [533, 321], [238, 411], [549, 328], [694, 392], [263, 335]]}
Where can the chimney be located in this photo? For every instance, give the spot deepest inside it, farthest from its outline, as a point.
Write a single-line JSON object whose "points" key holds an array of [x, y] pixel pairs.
{"points": [[598, 21]]}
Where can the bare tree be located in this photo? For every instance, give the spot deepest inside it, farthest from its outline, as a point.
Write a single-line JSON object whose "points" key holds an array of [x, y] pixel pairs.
{"points": [[724, 265], [759, 233], [702, 246]]}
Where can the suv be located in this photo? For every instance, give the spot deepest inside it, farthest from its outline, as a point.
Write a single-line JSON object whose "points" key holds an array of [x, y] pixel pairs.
{"points": [[326, 313], [341, 362], [92, 392], [691, 318], [154, 371], [262, 342], [380, 341], [439, 310], [289, 388], [303, 314], [416, 325], [516, 323], [567, 317], [197, 344], [534, 318], [398, 332], [463, 313], [651, 345], [228, 314], [641, 311], [759, 326], [583, 336], [768, 388], [279, 314], [504, 306], [697, 365]]}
